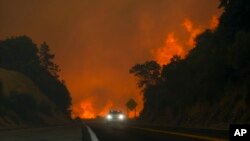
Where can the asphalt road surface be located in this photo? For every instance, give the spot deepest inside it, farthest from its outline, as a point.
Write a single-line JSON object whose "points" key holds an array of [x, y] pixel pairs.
{"points": [[103, 132], [53, 133], [99, 131]]}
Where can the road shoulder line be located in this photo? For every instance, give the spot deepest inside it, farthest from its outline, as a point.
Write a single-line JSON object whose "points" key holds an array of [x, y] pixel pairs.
{"points": [[92, 134], [181, 134]]}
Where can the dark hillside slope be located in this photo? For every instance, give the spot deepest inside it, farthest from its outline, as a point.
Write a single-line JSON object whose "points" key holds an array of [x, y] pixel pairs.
{"points": [[211, 86], [23, 104]]}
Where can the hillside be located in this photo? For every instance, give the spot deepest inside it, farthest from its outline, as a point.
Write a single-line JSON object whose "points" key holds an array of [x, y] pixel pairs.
{"points": [[210, 86], [23, 104]]}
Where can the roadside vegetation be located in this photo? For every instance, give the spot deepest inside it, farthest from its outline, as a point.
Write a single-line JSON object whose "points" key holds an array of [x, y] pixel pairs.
{"points": [[210, 87], [31, 90]]}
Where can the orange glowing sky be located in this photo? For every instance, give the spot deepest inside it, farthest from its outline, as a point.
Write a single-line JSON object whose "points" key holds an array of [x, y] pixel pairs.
{"points": [[96, 42]]}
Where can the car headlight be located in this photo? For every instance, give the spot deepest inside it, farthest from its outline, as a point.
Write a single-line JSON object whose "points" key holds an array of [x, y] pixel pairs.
{"points": [[121, 116], [109, 117]]}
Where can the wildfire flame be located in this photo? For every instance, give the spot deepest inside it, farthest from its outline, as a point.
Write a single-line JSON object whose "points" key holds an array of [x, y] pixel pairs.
{"points": [[175, 47], [193, 31], [86, 110], [214, 22], [172, 47]]}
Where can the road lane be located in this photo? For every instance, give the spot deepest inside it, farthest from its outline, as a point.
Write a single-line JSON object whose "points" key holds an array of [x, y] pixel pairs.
{"points": [[56, 133], [131, 133], [104, 132]]}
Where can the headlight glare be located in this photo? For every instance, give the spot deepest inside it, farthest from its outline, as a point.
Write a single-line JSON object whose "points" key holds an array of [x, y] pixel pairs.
{"points": [[109, 116], [121, 116]]}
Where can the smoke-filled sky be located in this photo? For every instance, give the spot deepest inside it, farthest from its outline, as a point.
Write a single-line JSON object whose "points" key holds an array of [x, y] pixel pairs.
{"points": [[96, 42]]}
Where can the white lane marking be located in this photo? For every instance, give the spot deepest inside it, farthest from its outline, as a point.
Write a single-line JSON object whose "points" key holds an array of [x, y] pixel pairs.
{"points": [[92, 134]]}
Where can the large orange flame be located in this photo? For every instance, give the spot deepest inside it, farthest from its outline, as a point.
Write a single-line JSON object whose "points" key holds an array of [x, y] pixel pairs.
{"points": [[173, 46], [86, 109], [193, 31]]}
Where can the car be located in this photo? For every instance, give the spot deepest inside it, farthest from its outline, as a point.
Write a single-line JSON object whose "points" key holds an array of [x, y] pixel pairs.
{"points": [[115, 116]]}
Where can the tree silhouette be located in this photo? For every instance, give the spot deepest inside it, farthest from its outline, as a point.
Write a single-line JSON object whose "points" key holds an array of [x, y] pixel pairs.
{"points": [[18, 53], [147, 73], [223, 3], [46, 59], [22, 55]]}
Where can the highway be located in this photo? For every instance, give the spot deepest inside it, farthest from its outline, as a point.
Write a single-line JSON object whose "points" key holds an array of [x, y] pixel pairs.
{"points": [[100, 131], [130, 132]]}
